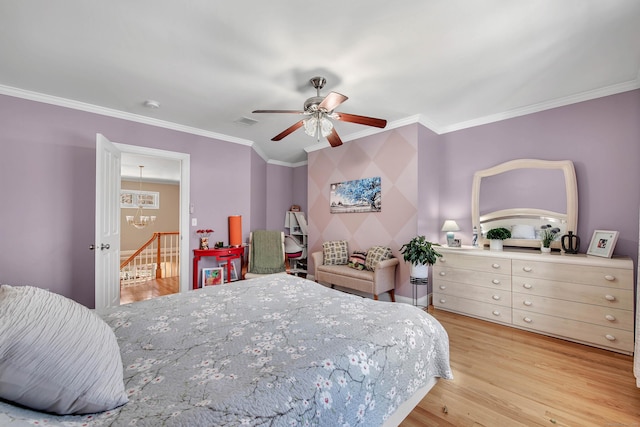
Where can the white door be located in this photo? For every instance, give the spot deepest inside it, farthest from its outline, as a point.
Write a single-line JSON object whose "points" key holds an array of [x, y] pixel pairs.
{"points": [[107, 241]]}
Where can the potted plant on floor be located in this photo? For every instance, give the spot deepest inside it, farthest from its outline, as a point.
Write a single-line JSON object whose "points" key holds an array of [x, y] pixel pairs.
{"points": [[421, 254], [496, 237]]}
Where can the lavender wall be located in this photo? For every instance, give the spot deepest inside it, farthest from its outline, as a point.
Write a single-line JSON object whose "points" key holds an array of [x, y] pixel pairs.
{"points": [[286, 186], [601, 137], [47, 184], [280, 184]]}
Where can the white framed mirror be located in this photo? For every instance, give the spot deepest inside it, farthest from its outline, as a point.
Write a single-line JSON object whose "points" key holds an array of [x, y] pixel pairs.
{"points": [[522, 196]]}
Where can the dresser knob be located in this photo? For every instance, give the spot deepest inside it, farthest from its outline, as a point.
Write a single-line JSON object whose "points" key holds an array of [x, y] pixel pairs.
{"points": [[443, 259], [442, 300], [494, 265], [496, 313], [496, 297], [527, 319], [443, 287], [610, 337], [610, 277], [610, 297], [442, 273], [526, 286], [495, 281], [610, 318], [527, 269], [527, 303]]}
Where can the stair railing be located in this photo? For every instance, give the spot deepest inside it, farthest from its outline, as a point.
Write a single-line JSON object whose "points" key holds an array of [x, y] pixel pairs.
{"points": [[159, 257]]}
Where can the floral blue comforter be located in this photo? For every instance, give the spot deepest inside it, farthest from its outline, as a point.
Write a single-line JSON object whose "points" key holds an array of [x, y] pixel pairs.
{"points": [[278, 351]]}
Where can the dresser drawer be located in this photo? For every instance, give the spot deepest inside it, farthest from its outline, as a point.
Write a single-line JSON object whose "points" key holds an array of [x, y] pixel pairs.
{"points": [[598, 315], [574, 273], [600, 295], [587, 333], [476, 263], [478, 293], [490, 280], [473, 308]]}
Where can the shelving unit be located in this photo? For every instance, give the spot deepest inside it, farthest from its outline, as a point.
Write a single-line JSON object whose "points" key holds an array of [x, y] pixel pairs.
{"points": [[296, 241]]}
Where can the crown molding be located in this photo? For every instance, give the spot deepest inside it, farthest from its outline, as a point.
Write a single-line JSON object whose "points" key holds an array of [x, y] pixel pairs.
{"points": [[91, 108], [542, 106]]}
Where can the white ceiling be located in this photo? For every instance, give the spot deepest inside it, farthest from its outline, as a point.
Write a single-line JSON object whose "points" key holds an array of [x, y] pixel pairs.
{"points": [[448, 64]]}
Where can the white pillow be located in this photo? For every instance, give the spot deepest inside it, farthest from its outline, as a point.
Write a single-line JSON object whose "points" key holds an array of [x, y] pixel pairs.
{"points": [[57, 355], [523, 232]]}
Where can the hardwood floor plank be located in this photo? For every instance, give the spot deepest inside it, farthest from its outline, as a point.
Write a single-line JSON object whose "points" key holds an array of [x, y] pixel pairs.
{"points": [[509, 377], [149, 289]]}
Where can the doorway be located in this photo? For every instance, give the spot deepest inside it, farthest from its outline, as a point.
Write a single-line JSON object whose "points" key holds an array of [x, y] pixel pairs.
{"points": [[149, 255], [183, 159]]}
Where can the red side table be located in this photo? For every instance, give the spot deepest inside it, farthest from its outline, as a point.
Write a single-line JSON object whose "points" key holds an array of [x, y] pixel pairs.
{"points": [[220, 254]]}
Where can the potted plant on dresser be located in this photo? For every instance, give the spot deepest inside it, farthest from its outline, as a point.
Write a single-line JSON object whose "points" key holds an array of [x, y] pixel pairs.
{"points": [[547, 236], [421, 254], [496, 237]]}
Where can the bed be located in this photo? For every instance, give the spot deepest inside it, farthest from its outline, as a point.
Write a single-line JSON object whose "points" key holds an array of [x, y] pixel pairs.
{"points": [[276, 350]]}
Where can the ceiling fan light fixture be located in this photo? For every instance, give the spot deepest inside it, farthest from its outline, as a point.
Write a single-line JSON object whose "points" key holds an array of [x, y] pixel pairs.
{"points": [[310, 126], [326, 127]]}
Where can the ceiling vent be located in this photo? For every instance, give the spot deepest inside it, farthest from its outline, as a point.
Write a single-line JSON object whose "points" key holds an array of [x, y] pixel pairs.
{"points": [[246, 121]]}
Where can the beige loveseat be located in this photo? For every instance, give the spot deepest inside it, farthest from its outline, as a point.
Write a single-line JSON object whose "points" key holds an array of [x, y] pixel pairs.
{"points": [[379, 281]]}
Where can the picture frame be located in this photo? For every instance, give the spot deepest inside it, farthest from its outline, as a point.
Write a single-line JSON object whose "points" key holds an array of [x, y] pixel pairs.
{"points": [[212, 276], [603, 242], [357, 196], [234, 272], [135, 198]]}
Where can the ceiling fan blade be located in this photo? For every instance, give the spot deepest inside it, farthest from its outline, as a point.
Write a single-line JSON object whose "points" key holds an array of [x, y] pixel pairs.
{"points": [[287, 131], [279, 111], [368, 121], [331, 101], [334, 139]]}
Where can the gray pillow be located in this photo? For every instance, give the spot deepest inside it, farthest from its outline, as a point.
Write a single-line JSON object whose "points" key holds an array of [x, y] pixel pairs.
{"points": [[57, 355]]}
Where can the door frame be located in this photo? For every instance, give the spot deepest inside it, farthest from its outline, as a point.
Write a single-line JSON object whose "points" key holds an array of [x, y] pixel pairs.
{"points": [[185, 174]]}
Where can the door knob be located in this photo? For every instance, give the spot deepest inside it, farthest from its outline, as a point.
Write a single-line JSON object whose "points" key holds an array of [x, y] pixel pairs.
{"points": [[103, 246]]}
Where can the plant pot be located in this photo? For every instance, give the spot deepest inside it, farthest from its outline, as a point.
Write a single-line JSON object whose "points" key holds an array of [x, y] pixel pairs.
{"points": [[545, 250], [420, 271], [496, 244]]}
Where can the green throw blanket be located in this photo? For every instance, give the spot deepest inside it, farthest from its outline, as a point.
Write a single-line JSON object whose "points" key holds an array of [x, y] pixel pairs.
{"points": [[266, 252]]}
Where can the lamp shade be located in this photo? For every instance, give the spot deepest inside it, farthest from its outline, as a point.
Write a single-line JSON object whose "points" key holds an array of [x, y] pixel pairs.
{"points": [[235, 230], [450, 225]]}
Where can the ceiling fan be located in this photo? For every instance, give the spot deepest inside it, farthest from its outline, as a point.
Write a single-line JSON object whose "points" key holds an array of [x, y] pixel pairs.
{"points": [[319, 110]]}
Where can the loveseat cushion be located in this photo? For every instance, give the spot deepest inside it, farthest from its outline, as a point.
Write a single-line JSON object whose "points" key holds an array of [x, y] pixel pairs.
{"points": [[345, 271], [335, 252], [376, 254]]}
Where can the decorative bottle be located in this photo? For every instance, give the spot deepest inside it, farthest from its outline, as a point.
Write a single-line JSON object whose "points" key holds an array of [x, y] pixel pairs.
{"points": [[475, 237], [570, 243]]}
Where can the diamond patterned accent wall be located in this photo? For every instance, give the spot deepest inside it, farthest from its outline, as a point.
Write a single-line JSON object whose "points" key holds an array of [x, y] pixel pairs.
{"points": [[392, 156]]}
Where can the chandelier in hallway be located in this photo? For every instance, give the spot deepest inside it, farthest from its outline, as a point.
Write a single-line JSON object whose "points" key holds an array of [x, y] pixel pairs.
{"points": [[139, 220]]}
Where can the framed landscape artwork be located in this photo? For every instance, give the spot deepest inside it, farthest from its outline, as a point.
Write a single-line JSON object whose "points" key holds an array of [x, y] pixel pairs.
{"points": [[361, 195]]}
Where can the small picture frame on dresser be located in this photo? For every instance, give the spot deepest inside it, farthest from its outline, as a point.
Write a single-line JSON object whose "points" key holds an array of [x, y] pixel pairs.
{"points": [[456, 243], [602, 243]]}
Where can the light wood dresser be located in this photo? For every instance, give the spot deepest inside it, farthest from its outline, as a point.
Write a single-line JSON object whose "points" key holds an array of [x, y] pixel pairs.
{"points": [[580, 298]]}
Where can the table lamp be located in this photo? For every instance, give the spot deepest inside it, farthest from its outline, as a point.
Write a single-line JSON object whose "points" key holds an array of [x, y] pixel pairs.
{"points": [[450, 226]]}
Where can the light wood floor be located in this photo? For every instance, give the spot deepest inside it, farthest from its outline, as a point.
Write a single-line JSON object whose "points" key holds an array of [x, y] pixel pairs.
{"points": [[150, 289], [508, 377]]}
